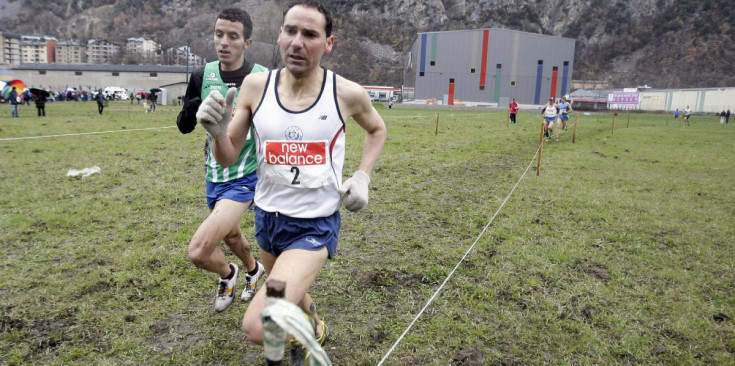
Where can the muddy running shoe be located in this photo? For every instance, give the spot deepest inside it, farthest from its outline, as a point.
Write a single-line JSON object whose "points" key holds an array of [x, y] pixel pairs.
{"points": [[299, 355], [251, 283], [226, 291]]}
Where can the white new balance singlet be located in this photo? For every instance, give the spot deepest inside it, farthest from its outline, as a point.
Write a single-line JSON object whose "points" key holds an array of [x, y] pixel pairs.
{"points": [[300, 153]]}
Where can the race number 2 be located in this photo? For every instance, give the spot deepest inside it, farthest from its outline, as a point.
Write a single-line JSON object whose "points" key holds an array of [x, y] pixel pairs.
{"points": [[299, 164]]}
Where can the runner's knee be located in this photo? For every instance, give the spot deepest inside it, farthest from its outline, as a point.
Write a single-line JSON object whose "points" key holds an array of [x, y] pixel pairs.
{"points": [[253, 329], [198, 253]]}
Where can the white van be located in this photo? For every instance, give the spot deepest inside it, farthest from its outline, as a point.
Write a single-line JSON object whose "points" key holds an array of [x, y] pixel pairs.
{"points": [[122, 93]]}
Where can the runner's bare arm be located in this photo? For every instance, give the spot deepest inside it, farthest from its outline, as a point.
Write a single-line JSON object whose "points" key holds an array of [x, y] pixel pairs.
{"points": [[227, 149], [355, 103]]}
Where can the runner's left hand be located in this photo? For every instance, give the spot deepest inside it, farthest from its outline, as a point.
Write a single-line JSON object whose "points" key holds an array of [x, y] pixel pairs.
{"points": [[354, 191]]}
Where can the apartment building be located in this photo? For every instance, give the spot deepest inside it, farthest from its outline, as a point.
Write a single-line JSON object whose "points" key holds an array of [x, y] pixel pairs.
{"points": [[10, 48], [37, 49], [179, 55], [102, 51], [70, 52]]}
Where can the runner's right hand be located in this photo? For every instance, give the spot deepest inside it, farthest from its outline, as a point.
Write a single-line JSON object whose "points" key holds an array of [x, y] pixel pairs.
{"points": [[215, 112]]}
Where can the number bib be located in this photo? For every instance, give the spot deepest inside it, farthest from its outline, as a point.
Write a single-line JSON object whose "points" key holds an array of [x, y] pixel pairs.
{"points": [[298, 164]]}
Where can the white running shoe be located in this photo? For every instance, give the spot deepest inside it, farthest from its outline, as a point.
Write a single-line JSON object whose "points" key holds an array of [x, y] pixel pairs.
{"points": [[252, 283], [225, 291]]}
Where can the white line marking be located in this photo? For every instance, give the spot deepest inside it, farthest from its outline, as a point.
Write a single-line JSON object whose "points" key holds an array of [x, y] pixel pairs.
{"points": [[83, 133], [458, 264]]}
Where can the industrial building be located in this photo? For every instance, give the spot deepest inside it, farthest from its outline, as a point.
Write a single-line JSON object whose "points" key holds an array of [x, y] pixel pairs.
{"points": [[700, 100], [488, 66], [98, 76]]}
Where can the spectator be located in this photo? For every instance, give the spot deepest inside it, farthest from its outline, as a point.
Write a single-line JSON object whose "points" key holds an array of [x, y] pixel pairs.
{"points": [[41, 104], [14, 101]]}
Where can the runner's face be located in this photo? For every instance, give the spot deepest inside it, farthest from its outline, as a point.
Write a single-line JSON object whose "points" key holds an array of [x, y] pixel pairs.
{"points": [[303, 39], [230, 44]]}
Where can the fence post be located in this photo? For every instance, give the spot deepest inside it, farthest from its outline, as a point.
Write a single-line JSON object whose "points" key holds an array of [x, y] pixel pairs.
{"points": [[574, 136], [540, 150], [437, 124], [613, 125]]}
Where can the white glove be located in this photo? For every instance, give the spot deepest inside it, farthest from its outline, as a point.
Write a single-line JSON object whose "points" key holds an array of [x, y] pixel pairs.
{"points": [[213, 116], [354, 191]]}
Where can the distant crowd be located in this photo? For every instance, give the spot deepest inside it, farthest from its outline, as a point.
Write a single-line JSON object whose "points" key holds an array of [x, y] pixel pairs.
{"points": [[72, 95]]}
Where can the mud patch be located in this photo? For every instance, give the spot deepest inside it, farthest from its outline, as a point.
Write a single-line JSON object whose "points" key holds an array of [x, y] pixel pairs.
{"points": [[174, 334], [469, 356], [383, 279], [596, 270], [50, 333]]}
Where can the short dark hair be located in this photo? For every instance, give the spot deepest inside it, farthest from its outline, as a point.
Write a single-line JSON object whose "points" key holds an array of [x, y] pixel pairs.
{"points": [[238, 16], [314, 5]]}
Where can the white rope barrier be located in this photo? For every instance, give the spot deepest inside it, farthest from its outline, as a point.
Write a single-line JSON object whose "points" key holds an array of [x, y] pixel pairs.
{"points": [[458, 264]]}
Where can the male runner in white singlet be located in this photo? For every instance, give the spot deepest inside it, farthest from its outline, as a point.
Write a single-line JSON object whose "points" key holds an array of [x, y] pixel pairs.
{"points": [[298, 116]]}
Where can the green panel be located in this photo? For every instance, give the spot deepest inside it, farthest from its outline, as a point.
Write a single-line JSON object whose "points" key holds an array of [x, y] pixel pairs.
{"points": [[497, 84]]}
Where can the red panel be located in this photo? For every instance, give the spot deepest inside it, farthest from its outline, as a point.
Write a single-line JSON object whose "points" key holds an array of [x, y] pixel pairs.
{"points": [[451, 93], [554, 76], [485, 40]]}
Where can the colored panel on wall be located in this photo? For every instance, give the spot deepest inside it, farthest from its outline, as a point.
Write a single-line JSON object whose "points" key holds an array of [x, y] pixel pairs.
{"points": [[483, 67], [433, 47], [539, 73], [475, 50], [498, 76], [450, 100], [564, 78], [554, 77], [422, 61]]}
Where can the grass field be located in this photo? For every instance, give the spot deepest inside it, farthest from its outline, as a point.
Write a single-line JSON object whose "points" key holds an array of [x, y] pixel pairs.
{"points": [[619, 252]]}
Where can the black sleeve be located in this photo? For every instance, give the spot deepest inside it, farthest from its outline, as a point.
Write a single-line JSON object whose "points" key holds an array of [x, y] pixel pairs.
{"points": [[187, 119]]}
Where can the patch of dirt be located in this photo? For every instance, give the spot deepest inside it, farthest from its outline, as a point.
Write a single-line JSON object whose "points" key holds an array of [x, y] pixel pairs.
{"points": [[599, 154], [380, 279], [173, 334], [469, 356], [100, 286], [161, 327], [49, 333], [8, 324], [599, 271], [720, 317]]}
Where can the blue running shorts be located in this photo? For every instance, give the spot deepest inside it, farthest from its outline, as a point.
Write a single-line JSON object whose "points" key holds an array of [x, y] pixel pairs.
{"points": [[239, 190], [549, 119], [277, 233], [564, 116]]}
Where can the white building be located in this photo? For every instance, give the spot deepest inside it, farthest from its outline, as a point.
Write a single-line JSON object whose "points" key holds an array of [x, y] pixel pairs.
{"points": [[142, 46], [102, 51]]}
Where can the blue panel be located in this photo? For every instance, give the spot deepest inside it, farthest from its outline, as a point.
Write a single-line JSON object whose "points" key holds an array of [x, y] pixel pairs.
{"points": [[564, 75], [539, 73], [422, 65]]}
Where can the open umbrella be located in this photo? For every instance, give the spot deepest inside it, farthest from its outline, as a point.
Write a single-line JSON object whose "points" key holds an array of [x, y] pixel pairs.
{"points": [[155, 90], [39, 92], [19, 86]]}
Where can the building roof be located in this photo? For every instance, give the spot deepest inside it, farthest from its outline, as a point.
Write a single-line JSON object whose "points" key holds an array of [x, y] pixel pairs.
{"points": [[498, 29], [101, 67]]}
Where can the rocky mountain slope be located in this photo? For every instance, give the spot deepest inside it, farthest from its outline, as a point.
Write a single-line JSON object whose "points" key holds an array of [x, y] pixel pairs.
{"points": [[661, 43]]}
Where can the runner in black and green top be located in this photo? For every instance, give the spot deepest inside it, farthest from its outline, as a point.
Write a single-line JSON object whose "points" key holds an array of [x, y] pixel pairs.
{"points": [[229, 190]]}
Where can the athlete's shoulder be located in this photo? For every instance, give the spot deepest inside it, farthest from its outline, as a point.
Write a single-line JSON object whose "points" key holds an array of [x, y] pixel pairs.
{"points": [[258, 68], [349, 89], [198, 71]]}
